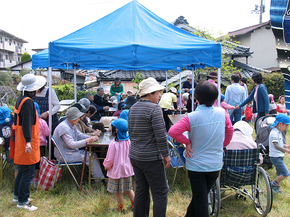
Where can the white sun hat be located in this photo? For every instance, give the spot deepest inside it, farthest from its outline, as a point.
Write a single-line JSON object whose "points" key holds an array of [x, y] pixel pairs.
{"points": [[149, 85], [31, 82]]}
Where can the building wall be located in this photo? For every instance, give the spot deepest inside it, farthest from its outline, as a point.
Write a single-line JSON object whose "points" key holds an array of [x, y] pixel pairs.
{"points": [[11, 51], [262, 43]]}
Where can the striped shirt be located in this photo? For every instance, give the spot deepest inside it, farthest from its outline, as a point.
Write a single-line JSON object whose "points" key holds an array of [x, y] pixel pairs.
{"points": [[147, 132]]}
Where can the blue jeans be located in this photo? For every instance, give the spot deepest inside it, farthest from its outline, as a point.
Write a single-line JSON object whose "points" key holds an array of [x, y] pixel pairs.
{"points": [[236, 115], [281, 168], [150, 174], [22, 183]]}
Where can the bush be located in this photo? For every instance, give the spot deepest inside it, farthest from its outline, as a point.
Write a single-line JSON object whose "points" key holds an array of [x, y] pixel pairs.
{"points": [[274, 83]]}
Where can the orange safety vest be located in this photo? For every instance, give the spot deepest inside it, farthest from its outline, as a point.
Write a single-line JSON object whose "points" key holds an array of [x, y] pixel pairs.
{"points": [[20, 156]]}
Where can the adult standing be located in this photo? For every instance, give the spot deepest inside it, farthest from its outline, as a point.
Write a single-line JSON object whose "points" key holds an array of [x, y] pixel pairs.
{"points": [[166, 102], [26, 152], [187, 85], [117, 87], [260, 97], [235, 94], [148, 148], [208, 128], [41, 98]]}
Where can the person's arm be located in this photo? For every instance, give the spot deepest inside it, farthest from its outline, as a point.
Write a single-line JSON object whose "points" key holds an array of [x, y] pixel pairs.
{"points": [[229, 131], [109, 160], [227, 106], [249, 99], [112, 90], [159, 130], [55, 103], [176, 131], [279, 148], [280, 110], [266, 99], [244, 98], [122, 89], [28, 117]]}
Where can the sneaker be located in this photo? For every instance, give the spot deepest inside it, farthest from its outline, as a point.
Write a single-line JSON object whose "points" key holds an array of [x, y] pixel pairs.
{"points": [[276, 189], [16, 200], [28, 207], [117, 210]]}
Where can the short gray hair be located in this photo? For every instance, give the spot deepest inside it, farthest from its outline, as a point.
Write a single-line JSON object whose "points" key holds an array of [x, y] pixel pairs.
{"points": [[88, 94], [85, 102], [100, 88]]}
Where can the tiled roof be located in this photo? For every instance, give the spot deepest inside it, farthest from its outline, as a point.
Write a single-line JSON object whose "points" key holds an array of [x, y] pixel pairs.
{"points": [[248, 29], [236, 50]]}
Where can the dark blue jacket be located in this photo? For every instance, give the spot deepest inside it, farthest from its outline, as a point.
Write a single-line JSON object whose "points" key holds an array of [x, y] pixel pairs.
{"points": [[262, 97]]}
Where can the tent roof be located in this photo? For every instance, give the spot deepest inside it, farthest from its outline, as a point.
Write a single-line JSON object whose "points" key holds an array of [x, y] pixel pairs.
{"points": [[130, 38]]}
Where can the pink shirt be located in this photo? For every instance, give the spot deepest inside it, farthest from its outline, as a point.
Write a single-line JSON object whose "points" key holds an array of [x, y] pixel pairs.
{"points": [[117, 160], [226, 106], [184, 125], [43, 132]]}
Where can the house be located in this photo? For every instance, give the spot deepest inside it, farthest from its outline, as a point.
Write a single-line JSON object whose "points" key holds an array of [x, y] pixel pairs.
{"points": [[11, 49], [261, 40]]}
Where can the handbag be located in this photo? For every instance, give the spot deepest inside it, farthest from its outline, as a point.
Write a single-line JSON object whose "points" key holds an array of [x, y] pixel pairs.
{"points": [[47, 171]]}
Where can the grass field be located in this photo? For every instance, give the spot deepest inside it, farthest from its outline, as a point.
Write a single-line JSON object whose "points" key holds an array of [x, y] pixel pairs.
{"points": [[66, 200]]}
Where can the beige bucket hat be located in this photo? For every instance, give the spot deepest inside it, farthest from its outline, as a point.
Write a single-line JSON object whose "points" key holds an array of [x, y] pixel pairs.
{"points": [[149, 85]]}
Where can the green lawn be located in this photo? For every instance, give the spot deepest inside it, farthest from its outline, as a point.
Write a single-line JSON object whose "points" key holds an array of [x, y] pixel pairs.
{"points": [[66, 200]]}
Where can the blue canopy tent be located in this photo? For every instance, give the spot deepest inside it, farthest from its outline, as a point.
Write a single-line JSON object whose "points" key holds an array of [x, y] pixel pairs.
{"points": [[132, 38]]}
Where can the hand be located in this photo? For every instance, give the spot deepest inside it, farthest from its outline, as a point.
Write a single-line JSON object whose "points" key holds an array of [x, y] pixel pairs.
{"points": [[92, 139], [44, 115], [237, 107], [106, 108], [28, 147], [97, 132], [167, 161], [188, 151]]}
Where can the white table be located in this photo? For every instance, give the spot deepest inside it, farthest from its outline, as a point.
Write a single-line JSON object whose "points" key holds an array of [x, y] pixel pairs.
{"points": [[67, 101]]}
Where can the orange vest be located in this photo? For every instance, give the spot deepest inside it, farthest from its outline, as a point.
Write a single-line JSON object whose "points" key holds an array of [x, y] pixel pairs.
{"points": [[20, 156]]}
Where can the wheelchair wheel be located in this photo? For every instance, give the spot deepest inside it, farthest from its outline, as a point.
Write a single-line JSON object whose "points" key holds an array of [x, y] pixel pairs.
{"points": [[214, 199], [262, 193]]}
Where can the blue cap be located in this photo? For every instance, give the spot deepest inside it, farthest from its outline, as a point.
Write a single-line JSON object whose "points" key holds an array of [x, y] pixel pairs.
{"points": [[281, 118], [179, 91], [124, 114], [37, 108], [122, 126], [5, 116], [223, 97]]}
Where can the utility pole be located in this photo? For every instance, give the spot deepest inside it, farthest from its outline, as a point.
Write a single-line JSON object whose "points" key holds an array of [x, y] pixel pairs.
{"points": [[259, 10]]}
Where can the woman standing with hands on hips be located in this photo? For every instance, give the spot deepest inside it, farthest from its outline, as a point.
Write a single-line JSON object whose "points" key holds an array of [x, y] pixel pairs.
{"points": [[209, 130]]}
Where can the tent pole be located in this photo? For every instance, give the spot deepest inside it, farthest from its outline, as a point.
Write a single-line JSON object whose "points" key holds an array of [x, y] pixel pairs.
{"points": [[219, 88], [75, 83], [192, 89], [166, 80], [49, 109], [180, 93]]}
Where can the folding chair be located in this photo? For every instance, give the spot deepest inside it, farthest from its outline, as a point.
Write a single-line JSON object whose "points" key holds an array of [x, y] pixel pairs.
{"points": [[62, 162], [177, 159]]}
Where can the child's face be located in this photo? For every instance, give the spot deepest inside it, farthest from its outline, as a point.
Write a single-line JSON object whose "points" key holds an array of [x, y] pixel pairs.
{"points": [[282, 127], [282, 100]]}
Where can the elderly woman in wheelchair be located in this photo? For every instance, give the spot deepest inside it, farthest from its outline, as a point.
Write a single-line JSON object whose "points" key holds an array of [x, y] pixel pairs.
{"points": [[241, 173]]}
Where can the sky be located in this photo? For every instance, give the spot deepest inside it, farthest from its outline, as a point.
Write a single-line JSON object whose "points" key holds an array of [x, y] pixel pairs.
{"points": [[42, 21]]}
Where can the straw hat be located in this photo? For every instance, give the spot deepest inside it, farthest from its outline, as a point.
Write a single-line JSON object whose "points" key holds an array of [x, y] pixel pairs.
{"points": [[31, 82], [149, 85], [173, 89], [106, 121]]}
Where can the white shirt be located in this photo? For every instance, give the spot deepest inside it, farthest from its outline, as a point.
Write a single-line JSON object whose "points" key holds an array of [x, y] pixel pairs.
{"points": [[275, 134], [54, 100]]}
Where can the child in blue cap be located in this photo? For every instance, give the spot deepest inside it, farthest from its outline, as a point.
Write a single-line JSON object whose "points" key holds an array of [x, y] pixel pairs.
{"points": [[118, 165], [277, 148]]}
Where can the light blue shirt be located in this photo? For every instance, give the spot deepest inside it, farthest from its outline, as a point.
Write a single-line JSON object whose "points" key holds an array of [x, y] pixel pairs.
{"points": [[235, 94], [207, 133]]}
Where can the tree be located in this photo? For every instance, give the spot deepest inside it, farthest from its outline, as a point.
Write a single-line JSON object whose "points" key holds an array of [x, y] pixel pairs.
{"points": [[139, 77], [5, 79], [25, 57], [227, 68], [24, 71]]}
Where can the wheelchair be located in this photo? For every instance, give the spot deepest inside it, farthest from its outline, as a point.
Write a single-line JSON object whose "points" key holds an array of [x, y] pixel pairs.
{"points": [[242, 174]]}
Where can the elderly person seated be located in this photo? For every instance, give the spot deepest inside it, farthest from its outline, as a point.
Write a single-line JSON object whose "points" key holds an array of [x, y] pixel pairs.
{"points": [[69, 140], [242, 138]]}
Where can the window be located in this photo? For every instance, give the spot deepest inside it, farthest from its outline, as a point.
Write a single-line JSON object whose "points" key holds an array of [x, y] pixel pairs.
{"points": [[6, 57]]}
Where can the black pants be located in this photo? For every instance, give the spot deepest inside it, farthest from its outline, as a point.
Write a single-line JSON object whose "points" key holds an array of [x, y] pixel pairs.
{"points": [[150, 174], [201, 183], [166, 112]]}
